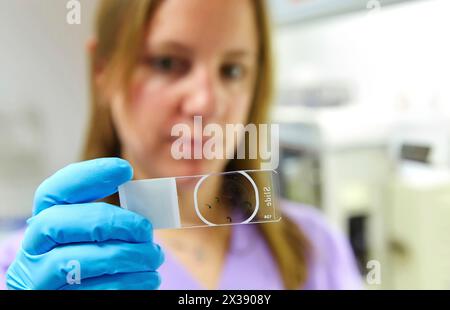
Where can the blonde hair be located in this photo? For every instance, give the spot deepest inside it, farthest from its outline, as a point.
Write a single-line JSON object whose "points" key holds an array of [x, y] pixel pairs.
{"points": [[120, 29]]}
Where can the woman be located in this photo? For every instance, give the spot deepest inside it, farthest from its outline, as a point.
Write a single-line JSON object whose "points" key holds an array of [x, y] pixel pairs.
{"points": [[156, 64]]}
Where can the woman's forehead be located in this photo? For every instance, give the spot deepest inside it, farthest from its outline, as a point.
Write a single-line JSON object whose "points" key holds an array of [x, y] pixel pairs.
{"points": [[230, 25]]}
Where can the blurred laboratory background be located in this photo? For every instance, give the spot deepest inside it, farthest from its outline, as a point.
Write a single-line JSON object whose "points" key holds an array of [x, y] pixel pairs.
{"points": [[363, 103]]}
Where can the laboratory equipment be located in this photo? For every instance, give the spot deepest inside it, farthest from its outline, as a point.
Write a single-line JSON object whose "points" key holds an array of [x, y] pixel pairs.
{"points": [[251, 196], [419, 213], [336, 159]]}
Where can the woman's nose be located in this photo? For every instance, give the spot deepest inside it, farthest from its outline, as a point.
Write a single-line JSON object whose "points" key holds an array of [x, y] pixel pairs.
{"points": [[201, 95]]}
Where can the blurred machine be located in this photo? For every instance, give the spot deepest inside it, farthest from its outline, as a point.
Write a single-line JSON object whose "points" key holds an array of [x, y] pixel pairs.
{"points": [[419, 217], [360, 135], [335, 158]]}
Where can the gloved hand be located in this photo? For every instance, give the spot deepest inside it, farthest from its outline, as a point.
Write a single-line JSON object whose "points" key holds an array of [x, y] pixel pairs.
{"points": [[71, 237]]}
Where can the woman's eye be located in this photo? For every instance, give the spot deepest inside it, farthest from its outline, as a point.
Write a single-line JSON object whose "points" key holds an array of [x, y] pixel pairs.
{"points": [[232, 71], [169, 64]]}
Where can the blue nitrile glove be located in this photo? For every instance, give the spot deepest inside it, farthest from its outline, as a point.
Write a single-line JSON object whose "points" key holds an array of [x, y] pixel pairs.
{"points": [[70, 237]]}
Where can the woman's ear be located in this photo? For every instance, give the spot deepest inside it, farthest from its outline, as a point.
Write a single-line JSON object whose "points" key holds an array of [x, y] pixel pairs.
{"points": [[91, 45], [97, 67], [91, 48]]}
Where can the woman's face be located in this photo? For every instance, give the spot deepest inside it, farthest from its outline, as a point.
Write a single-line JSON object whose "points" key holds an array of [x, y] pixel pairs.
{"points": [[199, 59]]}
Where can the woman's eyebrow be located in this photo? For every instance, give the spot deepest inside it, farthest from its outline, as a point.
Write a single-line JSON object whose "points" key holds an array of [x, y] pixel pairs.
{"points": [[239, 53], [170, 46]]}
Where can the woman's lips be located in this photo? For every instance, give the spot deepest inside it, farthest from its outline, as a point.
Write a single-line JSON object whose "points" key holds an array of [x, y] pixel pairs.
{"points": [[191, 141]]}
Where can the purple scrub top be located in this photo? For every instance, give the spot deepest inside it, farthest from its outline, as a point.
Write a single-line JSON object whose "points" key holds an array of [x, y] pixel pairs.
{"points": [[249, 263]]}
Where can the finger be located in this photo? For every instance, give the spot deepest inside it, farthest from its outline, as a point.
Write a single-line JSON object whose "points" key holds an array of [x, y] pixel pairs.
{"points": [[149, 280], [89, 260], [90, 222], [82, 182]]}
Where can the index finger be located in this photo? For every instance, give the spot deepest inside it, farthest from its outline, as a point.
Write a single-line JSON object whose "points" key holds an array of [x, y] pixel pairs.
{"points": [[82, 182]]}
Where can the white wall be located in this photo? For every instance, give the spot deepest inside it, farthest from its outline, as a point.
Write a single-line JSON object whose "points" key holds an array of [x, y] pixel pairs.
{"points": [[397, 59], [43, 95]]}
